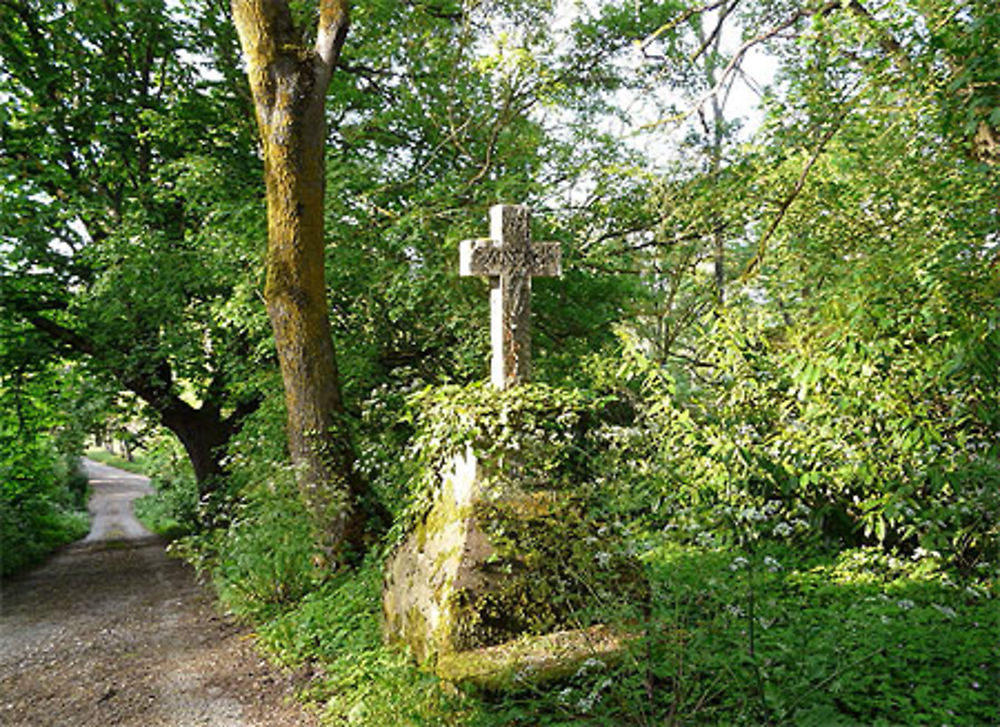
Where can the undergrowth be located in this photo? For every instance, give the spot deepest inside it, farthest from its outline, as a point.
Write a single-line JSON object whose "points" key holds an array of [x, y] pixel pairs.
{"points": [[766, 638], [172, 509], [137, 465], [764, 609]]}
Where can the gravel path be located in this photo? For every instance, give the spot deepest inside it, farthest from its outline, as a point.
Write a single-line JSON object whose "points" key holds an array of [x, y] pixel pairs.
{"points": [[113, 632]]}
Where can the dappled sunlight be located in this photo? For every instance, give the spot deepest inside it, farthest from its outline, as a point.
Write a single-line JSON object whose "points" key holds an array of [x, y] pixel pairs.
{"points": [[706, 432]]}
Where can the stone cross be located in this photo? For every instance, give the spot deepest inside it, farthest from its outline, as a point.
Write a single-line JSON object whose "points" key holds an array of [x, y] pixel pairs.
{"points": [[510, 260]]}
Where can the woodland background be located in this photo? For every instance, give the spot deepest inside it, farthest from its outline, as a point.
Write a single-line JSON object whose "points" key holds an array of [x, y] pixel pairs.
{"points": [[779, 223]]}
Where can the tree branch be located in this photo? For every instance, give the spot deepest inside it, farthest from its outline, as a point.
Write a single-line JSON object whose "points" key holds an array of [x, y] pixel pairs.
{"points": [[889, 45], [783, 208], [63, 334], [716, 33], [331, 31], [682, 18], [986, 144], [265, 29], [154, 390], [733, 66]]}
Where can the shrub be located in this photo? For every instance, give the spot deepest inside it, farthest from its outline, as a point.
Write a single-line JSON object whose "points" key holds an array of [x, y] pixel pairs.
{"points": [[42, 503]]}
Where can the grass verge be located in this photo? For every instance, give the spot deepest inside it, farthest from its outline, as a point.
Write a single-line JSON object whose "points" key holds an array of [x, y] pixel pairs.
{"points": [[136, 466], [158, 511]]}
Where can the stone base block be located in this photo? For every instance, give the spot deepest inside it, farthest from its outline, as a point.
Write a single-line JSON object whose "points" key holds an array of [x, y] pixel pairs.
{"points": [[532, 660], [494, 578]]}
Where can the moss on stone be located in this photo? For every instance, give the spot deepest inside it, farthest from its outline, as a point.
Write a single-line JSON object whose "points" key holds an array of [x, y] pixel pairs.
{"points": [[532, 660], [445, 511], [543, 574]]}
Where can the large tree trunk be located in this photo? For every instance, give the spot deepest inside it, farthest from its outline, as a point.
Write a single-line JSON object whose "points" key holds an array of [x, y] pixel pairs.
{"points": [[289, 83], [204, 434]]}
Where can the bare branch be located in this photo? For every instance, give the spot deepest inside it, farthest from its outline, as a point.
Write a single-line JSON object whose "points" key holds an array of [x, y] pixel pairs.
{"points": [[734, 63], [716, 33], [682, 18], [889, 45], [762, 37], [63, 334]]}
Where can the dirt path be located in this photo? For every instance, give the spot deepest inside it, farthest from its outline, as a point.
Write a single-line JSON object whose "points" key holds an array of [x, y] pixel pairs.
{"points": [[113, 632]]}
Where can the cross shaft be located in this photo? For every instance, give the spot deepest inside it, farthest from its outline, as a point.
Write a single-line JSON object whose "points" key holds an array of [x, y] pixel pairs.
{"points": [[510, 260]]}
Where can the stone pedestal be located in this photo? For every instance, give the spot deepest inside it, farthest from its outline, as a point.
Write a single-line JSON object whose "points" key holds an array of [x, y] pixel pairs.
{"points": [[497, 582]]}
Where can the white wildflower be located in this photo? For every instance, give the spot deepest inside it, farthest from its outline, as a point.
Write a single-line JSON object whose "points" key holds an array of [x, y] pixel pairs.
{"points": [[589, 665], [705, 539], [782, 530], [973, 591]]}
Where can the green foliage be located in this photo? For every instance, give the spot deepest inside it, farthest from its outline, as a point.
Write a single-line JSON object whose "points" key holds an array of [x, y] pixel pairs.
{"points": [[136, 466], [809, 470], [770, 636], [42, 504], [365, 683], [175, 508], [409, 178], [812, 447], [43, 493], [858, 638], [266, 558], [127, 187], [259, 548]]}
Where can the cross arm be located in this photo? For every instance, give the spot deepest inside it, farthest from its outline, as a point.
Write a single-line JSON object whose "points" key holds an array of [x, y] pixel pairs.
{"points": [[486, 257]]}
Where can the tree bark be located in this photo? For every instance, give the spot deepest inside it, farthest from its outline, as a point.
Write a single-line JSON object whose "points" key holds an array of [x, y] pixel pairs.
{"points": [[710, 62], [289, 81]]}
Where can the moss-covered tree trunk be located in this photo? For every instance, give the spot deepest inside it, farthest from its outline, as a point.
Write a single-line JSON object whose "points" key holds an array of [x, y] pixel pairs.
{"points": [[289, 81]]}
